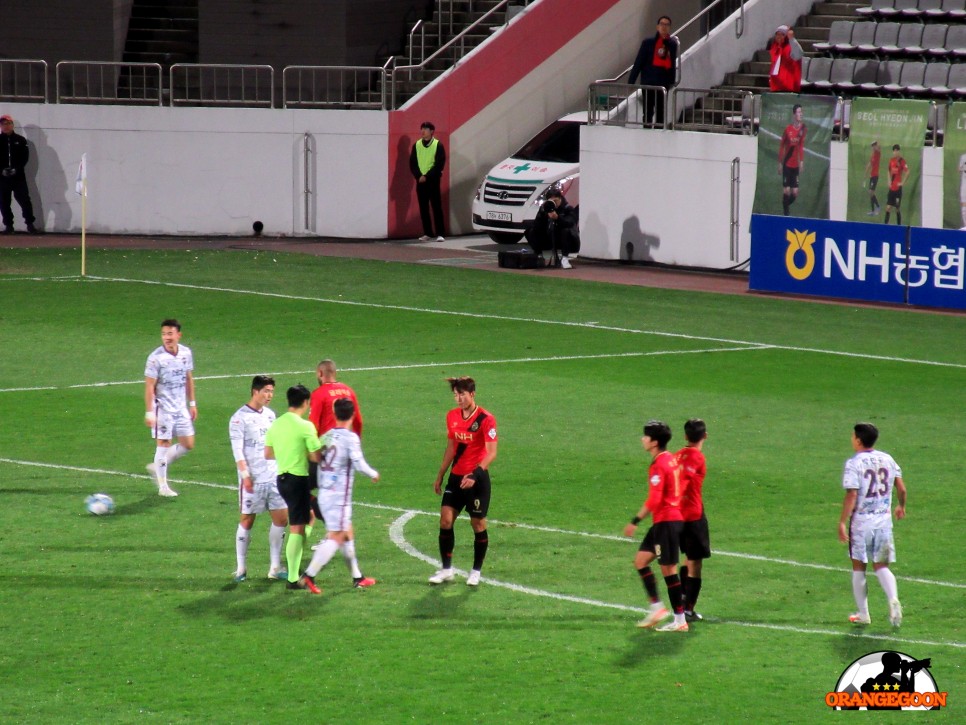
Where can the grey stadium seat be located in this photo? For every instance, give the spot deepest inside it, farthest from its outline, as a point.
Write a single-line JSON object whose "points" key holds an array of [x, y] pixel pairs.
{"points": [[957, 79], [862, 34], [863, 72], [886, 36], [897, 8], [887, 72], [935, 79], [910, 77], [839, 33], [819, 70], [928, 7], [874, 9], [908, 42], [954, 9], [842, 72], [934, 40], [956, 41]]}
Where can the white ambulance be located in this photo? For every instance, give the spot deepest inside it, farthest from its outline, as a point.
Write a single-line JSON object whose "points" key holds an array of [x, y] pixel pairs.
{"points": [[510, 195]]}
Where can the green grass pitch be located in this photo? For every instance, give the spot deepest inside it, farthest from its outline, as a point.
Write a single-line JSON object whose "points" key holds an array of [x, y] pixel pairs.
{"points": [[134, 618]]}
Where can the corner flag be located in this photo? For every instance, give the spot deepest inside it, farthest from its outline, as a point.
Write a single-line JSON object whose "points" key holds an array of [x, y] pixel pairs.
{"points": [[80, 184]]}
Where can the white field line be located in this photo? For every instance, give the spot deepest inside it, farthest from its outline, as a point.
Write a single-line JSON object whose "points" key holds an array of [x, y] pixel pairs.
{"points": [[398, 537], [412, 366], [510, 318], [495, 522]]}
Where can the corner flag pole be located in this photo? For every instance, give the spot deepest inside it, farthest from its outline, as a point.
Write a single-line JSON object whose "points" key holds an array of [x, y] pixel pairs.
{"points": [[84, 230]]}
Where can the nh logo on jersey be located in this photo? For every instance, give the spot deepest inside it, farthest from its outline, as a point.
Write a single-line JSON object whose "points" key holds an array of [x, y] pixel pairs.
{"points": [[799, 250], [463, 436], [887, 680]]}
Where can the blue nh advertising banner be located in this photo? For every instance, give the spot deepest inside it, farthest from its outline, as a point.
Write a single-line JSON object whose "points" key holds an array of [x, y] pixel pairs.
{"points": [[859, 261]]}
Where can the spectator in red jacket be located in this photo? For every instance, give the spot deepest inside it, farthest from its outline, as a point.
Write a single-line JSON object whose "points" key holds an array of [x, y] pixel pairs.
{"points": [[785, 71]]}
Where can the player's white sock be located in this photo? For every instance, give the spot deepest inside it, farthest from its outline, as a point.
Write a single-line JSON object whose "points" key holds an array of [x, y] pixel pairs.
{"points": [[888, 581], [175, 452], [349, 552], [276, 537], [161, 465], [860, 591], [242, 537], [322, 556]]}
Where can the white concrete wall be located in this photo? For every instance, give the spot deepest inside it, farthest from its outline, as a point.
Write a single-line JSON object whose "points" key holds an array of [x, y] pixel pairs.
{"points": [[668, 193], [207, 171]]}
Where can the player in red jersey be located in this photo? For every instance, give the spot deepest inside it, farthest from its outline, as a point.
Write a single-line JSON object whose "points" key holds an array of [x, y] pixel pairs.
{"points": [[470, 450], [322, 416], [898, 173], [662, 541], [695, 540], [791, 157], [324, 396]]}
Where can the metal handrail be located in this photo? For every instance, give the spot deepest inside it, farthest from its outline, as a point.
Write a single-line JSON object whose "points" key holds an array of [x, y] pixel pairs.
{"points": [[201, 68], [11, 67], [449, 44], [739, 30], [422, 43], [342, 99], [117, 69]]}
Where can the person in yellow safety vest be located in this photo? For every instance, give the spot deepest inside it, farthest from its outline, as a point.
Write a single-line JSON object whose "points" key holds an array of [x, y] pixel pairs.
{"points": [[426, 161]]}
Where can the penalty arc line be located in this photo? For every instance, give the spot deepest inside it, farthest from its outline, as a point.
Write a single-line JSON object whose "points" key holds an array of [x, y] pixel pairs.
{"points": [[495, 522], [511, 318], [397, 536]]}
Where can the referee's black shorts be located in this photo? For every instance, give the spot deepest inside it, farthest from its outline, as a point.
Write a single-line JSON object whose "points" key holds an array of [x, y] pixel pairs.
{"points": [[297, 494], [695, 539]]}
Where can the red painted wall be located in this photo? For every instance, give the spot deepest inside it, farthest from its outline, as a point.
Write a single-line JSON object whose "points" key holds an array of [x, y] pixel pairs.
{"points": [[479, 80]]}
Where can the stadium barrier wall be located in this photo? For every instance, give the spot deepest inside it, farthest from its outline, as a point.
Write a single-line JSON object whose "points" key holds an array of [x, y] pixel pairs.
{"points": [[207, 170], [668, 194], [858, 261]]}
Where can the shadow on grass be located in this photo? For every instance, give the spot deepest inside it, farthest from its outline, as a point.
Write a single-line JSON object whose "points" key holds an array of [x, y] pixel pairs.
{"points": [[257, 599], [442, 601], [643, 645]]}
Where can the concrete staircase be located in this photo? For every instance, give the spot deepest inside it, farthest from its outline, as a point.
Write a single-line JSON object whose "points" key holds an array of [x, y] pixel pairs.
{"points": [[160, 31], [810, 29], [437, 31]]}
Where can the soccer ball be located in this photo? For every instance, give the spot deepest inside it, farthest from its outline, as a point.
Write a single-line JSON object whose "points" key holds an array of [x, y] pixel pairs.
{"points": [[99, 504]]}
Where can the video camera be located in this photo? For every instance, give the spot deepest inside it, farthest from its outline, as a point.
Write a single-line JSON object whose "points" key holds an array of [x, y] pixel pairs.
{"points": [[548, 206], [913, 666]]}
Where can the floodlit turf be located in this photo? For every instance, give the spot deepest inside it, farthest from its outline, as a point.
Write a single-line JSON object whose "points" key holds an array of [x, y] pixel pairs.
{"points": [[134, 618]]}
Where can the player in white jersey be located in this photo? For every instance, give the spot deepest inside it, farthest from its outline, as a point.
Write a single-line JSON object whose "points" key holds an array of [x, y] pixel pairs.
{"points": [[869, 481], [169, 402], [341, 458], [257, 486]]}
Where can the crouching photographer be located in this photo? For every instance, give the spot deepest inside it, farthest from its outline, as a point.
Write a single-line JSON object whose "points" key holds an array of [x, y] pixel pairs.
{"points": [[555, 230]]}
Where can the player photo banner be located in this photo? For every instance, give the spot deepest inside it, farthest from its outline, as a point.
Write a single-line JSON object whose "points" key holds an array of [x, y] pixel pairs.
{"points": [[954, 168], [879, 173], [794, 145]]}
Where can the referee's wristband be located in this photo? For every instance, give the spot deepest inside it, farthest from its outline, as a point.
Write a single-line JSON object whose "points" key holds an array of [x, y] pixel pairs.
{"points": [[192, 404], [636, 520]]}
